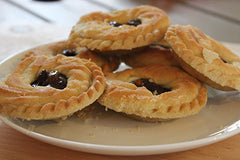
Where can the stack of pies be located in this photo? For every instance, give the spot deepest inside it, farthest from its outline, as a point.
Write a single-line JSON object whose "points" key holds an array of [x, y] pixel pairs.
{"points": [[169, 66]]}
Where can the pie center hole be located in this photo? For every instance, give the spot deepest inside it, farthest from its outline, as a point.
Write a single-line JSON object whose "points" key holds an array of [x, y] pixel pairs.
{"points": [[156, 89], [53, 79], [223, 60], [132, 22], [68, 52]]}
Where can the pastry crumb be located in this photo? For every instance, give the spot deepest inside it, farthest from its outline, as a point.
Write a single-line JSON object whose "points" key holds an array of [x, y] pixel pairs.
{"points": [[59, 121], [91, 134], [138, 128], [221, 127], [115, 129], [97, 118], [87, 120], [210, 106], [131, 130], [31, 127]]}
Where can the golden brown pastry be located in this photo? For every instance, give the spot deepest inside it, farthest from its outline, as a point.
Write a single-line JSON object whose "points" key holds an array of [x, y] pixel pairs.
{"points": [[154, 93], [152, 55], [204, 58], [43, 88], [108, 64], [120, 30]]}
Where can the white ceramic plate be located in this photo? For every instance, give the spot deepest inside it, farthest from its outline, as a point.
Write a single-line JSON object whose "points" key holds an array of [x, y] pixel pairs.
{"points": [[113, 134]]}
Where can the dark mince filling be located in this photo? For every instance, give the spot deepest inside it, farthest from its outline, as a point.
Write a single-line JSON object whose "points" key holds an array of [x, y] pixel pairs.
{"points": [[68, 52], [223, 60], [115, 24], [53, 79], [165, 47], [132, 22], [151, 86]]}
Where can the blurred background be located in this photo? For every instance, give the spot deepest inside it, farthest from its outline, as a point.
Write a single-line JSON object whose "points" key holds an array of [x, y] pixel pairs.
{"points": [[48, 20]]}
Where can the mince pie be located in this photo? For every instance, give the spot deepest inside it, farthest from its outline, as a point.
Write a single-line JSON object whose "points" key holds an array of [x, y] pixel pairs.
{"points": [[44, 87], [120, 31], [154, 93], [204, 58]]}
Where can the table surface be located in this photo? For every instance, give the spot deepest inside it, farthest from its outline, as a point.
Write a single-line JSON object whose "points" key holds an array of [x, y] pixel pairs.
{"points": [[27, 23]]}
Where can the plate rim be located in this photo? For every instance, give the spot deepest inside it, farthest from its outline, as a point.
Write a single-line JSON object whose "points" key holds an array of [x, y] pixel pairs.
{"points": [[121, 149]]}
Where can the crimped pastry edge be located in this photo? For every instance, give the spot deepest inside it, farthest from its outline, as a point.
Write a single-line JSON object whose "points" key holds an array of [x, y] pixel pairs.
{"points": [[132, 40], [199, 75], [141, 96], [108, 64], [62, 108], [215, 78]]}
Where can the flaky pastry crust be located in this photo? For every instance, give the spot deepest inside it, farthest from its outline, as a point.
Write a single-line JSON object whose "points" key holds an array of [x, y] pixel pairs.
{"points": [[19, 99], [108, 64], [187, 96], [152, 55], [94, 31], [204, 58]]}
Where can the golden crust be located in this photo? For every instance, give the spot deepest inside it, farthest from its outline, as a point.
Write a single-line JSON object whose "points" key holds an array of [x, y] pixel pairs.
{"points": [[204, 58], [152, 55], [187, 97], [108, 64], [19, 99], [94, 32]]}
